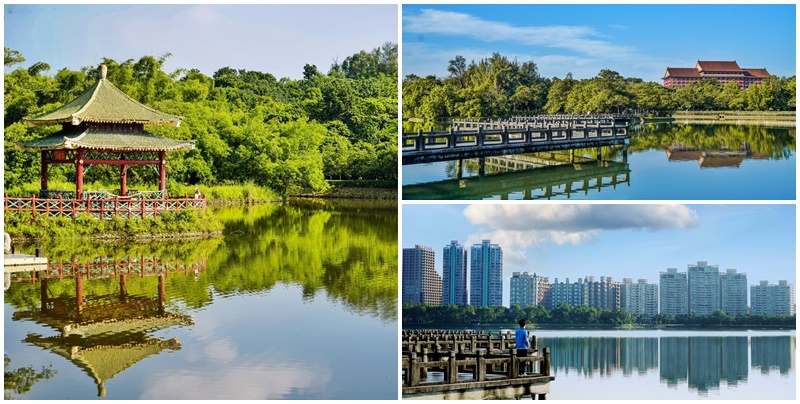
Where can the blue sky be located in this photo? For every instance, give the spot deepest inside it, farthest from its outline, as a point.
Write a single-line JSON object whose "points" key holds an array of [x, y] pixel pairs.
{"points": [[560, 240], [277, 39], [634, 40]]}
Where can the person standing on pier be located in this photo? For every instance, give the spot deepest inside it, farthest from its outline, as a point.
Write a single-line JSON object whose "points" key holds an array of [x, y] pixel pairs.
{"points": [[522, 345]]}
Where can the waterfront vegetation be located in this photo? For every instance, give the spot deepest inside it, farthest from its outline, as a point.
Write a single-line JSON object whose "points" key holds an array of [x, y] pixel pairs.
{"points": [[286, 136], [466, 315], [498, 87]]}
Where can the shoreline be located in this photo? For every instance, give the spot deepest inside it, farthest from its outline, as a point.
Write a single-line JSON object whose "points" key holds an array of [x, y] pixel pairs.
{"points": [[605, 327]]}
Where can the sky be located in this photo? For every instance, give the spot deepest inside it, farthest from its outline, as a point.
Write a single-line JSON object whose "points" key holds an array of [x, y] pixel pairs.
{"points": [[276, 39], [566, 240], [634, 40]]}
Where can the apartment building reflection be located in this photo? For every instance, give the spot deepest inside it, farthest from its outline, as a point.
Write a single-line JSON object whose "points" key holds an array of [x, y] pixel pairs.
{"points": [[701, 363]]}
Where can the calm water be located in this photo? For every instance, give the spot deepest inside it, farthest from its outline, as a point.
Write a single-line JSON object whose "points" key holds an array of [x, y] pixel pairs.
{"points": [[669, 364], [664, 161], [295, 301]]}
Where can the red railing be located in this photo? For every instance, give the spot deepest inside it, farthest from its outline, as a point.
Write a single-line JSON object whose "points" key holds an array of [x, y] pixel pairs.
{"points": [[104, 267], [105, 209]]}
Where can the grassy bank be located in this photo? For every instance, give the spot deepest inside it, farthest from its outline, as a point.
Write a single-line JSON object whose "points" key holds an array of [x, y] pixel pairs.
{"points": [[183, 224], [384, 190], [770, 118]]}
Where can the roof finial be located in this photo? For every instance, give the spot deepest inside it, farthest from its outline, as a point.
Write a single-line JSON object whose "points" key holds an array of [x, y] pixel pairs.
{"points": [[103, 71]]}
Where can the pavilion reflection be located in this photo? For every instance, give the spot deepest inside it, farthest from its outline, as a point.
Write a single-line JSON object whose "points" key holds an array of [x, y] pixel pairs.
{"points": [[105, 333]]}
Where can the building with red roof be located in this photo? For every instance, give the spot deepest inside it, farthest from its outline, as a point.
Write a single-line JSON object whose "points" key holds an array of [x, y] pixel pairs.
{"points": [[720, 70]]}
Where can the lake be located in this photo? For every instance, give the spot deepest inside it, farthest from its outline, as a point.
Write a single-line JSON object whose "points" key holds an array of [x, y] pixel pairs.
{"points": [[662, 162], [294, 301], [592, 364]]}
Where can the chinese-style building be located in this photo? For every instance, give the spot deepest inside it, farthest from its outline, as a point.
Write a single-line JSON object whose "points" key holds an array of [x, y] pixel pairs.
{"points": [[103, 126], [722, 71]]}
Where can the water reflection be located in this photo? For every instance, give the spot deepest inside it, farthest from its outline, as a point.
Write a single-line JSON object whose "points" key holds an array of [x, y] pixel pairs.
{"points": [[218, 318], [701, 363], [658, 159]]}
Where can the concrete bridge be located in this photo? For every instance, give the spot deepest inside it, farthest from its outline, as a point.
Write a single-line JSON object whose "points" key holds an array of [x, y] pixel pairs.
{"points": [[519, 135], [470, 365]]}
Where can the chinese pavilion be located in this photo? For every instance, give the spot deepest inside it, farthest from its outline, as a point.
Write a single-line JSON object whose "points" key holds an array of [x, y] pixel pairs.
{"points": [[722, 71], [104, 126]]}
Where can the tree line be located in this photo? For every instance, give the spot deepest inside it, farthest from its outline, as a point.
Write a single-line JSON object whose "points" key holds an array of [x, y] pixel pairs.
{"points": [[249, 126], [466, 315], [498, 87]]}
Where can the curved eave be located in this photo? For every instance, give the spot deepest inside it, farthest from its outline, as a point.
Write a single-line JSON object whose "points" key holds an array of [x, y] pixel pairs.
{"points": [[69, 144], [77, 120]]}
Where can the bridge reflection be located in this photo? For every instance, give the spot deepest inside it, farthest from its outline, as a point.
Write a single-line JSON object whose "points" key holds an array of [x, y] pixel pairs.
{"points": [[526, 177]]}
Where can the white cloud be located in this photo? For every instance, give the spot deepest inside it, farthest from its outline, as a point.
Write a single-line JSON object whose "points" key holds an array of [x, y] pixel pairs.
{"points": [[516, 227], [574, 38]]}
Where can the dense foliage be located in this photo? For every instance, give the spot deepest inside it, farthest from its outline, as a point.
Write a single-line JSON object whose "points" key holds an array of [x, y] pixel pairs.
{"points": [[497, 87], [466, 315], [287, 135]]}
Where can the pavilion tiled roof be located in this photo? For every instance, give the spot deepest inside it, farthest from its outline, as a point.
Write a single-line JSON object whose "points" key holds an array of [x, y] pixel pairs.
{"points": [[100, 139], [104, 102]]}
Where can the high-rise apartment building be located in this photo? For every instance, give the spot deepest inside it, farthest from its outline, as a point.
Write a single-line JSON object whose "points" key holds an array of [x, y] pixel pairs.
{"points": [[775, 300], [571, 294], [733, 292], [639, 298], [486, 275], [454, 274], [703, 281], [421, 283], [603, 294], [523, 289], [674, 292]]}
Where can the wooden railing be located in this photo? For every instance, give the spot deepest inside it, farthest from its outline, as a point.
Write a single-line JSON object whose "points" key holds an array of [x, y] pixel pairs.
{"points": [[103, 267], [104, 209]]}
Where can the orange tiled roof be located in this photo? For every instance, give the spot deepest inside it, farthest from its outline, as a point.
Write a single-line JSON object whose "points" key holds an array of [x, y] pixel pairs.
{"points": [[681, 72], [717, 66], [763, 73]]}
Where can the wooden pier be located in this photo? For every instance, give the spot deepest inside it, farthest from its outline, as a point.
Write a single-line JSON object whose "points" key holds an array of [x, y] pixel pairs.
{"points": [[471, 365], [487, 138]]}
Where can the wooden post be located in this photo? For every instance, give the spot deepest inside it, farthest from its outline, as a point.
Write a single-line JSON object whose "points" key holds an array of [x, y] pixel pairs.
{"points": [[123, 179], [79, 175], [43, 291], [44, 170], [79, 290], [162, 171], [123, 286], [162, 295], [419, 144]]}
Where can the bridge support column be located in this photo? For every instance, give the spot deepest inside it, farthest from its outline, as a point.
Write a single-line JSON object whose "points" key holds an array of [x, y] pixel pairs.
{"points": [[451, 375], [423, 373], [481, 166], [459, 169], [625, 154]]}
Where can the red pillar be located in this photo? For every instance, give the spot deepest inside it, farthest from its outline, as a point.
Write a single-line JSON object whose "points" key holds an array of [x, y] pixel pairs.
{"points": [[123, 180], [162, 171], [162, 294], [44, 170], [79, 175]]}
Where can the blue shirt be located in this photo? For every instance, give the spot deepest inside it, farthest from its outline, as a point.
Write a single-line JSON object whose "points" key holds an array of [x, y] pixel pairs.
{"points": [[522, 339]]}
